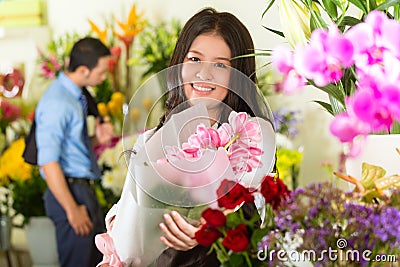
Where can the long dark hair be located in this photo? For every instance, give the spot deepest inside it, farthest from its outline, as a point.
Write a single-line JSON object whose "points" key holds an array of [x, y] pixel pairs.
{"points": [[238, 39]]}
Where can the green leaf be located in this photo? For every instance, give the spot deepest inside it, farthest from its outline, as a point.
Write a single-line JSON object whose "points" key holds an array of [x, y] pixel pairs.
{"points": [[370, 173], [233, 219], [257, 235], [395, 128], [275, 31], [331, 90], [360, 5], [330, 8], [372, 5], [236, 260], [326, 106], [349, 21], [348, 81], [388, 3], [337, 106], [268, 7]]}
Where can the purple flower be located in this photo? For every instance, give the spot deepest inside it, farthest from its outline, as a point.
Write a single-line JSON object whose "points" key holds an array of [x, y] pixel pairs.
{"points": [[286, 121]]}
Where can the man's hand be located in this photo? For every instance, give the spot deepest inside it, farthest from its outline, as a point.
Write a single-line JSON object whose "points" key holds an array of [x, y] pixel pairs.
{"points": [[79, 220]]}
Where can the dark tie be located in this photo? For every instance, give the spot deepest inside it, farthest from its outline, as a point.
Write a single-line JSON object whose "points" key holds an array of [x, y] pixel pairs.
{"points": [[93, 162]]}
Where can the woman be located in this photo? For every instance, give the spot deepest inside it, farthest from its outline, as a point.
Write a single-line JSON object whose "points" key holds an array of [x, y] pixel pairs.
{"points": [[208, 47]]}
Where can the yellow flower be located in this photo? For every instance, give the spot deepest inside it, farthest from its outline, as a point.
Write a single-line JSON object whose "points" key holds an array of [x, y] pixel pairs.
{"points": [[147, 104], [114, 108], [132, 27], [102, 34], [134, 115], [12, 165], [287, 160], [118, 98], [102, 107]]}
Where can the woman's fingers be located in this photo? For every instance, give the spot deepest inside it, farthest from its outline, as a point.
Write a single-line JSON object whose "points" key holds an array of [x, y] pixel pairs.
{"points": [[178, 233]]}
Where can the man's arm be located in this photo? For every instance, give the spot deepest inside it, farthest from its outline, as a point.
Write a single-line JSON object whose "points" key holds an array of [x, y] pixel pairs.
{"points": [[76, 214]]}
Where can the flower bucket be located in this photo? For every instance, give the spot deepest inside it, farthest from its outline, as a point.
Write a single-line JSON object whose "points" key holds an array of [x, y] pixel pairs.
{"points": [[41, 237], [378, 150], [5, 232]]}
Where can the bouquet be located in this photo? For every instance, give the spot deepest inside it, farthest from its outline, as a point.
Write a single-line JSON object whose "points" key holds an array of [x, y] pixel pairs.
{"points": [[234, 236], [180, 167]]}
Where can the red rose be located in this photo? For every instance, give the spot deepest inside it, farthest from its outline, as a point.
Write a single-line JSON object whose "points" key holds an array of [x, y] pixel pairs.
{"points": [[273, 190], [213, 217], [231, 194], [206, 235], [236, 239]]}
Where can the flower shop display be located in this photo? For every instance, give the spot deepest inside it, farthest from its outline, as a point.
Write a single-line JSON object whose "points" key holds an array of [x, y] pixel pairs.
{"points": [[188, 166], [319, 224], [354, 60], [289, 157], [24, 183], [113, 164], [156, 44], [125, 33], [8, 114], [327, 226], [54, 59]]}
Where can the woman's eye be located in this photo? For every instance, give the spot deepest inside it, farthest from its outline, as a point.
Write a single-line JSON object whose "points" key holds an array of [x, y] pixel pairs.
{"points": [[194, 59], [220, 65]]}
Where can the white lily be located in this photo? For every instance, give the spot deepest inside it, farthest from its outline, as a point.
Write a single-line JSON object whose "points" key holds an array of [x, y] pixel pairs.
{"points": [[295, 20]]}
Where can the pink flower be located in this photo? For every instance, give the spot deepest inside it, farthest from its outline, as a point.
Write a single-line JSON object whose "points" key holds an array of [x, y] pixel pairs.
{"points": [[324, 57], [240, 138], [204, 138], [292, 81], [50, 67], [9, 112]]}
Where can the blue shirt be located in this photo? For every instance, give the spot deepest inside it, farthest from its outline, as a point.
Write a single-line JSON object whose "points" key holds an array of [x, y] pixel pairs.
{"points": [[59, 131]]}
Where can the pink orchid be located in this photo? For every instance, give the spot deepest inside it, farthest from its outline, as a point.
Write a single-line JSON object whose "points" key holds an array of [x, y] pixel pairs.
{"points": [[369, 52], [244, 128], [347, 127], [205, 138], [292, 81], [240, 137], [244, 159], [368, 108], [324, 57]]}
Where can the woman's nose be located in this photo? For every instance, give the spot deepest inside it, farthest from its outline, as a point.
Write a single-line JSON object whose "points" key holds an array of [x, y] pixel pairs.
{"points": [[205, 72]]}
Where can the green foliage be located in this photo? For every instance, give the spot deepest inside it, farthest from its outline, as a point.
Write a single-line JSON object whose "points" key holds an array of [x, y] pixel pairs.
{"points": [[157, 43], [103, 91], [28, 196], [105, 196]]}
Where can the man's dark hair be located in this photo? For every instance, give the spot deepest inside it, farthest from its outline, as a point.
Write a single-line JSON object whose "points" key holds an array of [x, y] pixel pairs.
{"points": [[87, 52]]}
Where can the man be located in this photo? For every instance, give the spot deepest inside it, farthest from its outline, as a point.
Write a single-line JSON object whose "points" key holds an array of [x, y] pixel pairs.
{"points": [[65, 155]]}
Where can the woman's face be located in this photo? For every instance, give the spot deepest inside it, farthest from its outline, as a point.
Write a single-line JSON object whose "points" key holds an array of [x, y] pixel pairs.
{"points": [[206, 69]]}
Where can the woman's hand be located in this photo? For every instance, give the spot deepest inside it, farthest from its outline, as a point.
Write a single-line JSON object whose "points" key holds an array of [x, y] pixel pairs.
{"points": [[178, 234]]}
